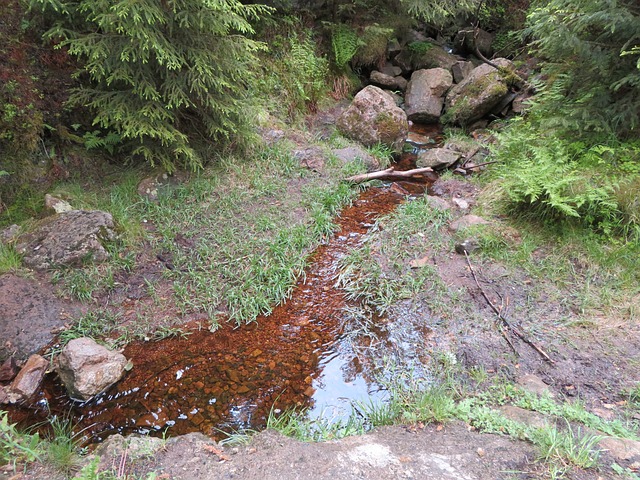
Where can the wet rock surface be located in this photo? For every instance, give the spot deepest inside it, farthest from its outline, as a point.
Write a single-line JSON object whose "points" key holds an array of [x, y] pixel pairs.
{"points": [[30, 315], [67, 239], [27, 382], [87, 368]]}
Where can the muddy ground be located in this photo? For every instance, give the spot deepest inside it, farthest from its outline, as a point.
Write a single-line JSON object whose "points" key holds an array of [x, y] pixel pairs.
{"points": [[590, 357]]}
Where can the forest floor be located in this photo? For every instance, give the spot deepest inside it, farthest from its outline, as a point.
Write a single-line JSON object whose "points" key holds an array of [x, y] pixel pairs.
{"points": [[544, 387]]}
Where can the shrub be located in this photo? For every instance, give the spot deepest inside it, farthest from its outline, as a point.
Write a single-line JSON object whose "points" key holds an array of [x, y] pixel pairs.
{"points": [[294, 75], [555, 180], [170, 78]]}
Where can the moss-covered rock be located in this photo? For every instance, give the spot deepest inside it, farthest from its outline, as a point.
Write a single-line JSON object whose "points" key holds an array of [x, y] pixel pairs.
{"points": [[373, 118], [476, 95]]}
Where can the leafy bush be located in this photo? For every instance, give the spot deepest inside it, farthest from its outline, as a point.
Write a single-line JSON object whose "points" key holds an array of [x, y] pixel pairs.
{"points": [[169, 78], [553, 179], [344, 43]]}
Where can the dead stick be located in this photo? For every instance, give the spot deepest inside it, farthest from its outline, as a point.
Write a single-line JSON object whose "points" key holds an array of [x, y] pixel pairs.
{"points": [[480, 165], [389, 172], [506, 323]]}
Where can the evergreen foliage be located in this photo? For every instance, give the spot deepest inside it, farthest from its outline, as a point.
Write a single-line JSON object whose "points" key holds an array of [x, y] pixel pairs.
{"points": [[169, 78], [438, 12], [594, 78]]}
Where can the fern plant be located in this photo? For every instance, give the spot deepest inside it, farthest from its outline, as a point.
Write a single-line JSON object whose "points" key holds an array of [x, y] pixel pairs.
{"points": [[170, 78], [344, 43], [548, 178]]}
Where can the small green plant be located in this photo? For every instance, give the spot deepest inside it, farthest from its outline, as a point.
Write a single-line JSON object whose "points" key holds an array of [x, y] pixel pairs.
{"points": [[91, 471], [96, 324], [344, 42], [10, 260], [62, 446], [17, 447], [420, 48], [296, 424], [567, 448]]}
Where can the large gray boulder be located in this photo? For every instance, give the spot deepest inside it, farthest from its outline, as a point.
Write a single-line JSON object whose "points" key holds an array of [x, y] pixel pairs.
{"points": [[425, 94], [68, 238], [373, 117], [86, 368], [477, 95]]}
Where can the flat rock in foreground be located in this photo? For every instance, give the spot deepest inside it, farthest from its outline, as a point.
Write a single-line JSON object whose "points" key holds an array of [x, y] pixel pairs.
{"points": [[450, 453], [67, 239]]}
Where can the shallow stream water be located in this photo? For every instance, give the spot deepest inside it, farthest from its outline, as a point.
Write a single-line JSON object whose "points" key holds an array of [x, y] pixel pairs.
{"points": [[307, 354]]}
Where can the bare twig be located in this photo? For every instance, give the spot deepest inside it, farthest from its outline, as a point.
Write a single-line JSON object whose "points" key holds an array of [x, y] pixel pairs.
{"points": [[388, 173], [502, 318]]}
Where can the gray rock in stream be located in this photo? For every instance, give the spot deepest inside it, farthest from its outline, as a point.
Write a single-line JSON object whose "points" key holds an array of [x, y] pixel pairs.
{"points": [[87, 369], [425, 94], [437, 158], [478, 94]]}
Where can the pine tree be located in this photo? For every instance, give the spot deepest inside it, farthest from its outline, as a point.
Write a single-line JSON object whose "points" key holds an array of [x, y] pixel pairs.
{"points": [[593, 76], [170, 77]]}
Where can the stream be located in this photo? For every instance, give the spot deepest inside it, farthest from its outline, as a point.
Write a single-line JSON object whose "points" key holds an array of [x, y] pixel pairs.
{"points": [[311, 353]]}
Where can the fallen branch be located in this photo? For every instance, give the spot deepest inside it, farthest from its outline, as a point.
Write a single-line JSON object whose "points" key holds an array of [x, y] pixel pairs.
{"points": [[388, 173], [504, 321]]}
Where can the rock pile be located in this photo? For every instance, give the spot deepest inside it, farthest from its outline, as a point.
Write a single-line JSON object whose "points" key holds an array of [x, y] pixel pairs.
{"points": [[434, 86]]}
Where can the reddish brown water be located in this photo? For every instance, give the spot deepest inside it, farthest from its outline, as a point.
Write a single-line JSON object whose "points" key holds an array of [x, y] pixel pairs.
{"points": [[231, 379]]}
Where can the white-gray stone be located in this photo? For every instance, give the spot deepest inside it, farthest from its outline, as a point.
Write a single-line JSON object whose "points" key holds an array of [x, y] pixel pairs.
{"points": [[425, 94], [466, 222], [437, 158], [87, 368], [56, 205]]}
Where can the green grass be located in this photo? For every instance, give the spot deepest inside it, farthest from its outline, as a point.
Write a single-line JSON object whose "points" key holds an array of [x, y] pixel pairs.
{"points": [[297, 424], [10, 260], [62, 446], [589, 273], [568, 448], [16, 447], [238, 235], [379, 272]]}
